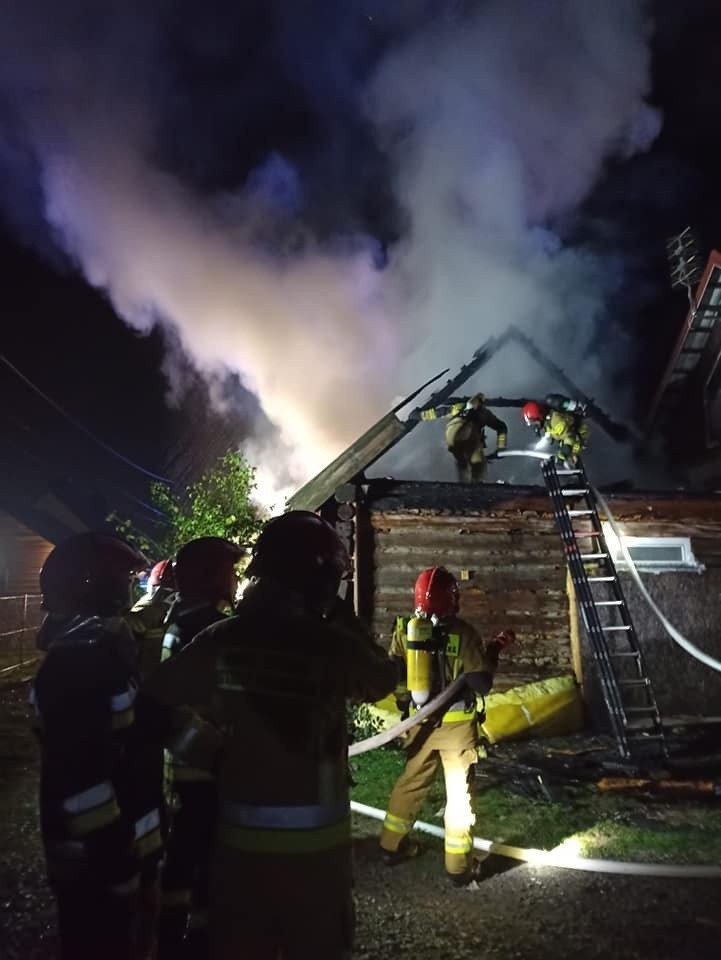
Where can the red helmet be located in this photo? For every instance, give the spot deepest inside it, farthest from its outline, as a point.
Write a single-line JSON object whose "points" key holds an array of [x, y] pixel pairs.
{"points": [[436, 593], [533, 412], [161, 575], [204, 568], [89, 573], [305, 553]]}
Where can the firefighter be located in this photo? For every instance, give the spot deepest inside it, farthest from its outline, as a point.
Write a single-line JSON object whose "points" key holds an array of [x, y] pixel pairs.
{"points": [[147, 617], [466, 433], [561, 421], [436, 646], [206, 582], [96, 827], [279, 674]]}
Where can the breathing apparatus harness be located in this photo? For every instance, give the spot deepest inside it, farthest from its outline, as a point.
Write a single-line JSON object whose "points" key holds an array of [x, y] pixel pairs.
{"points": [[428, 643]]}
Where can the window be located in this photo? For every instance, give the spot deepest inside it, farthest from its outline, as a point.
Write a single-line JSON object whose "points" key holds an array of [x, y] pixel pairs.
{"points": [[653, 554]]}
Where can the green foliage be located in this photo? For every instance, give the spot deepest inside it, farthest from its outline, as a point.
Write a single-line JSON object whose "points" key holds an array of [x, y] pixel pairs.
{"points": [[375, 774], [600, 824], [362, 722], [218, 504]]}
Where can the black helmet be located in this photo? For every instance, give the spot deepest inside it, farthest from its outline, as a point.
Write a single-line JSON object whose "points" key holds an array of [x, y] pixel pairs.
{"points": [[203, 568], [89, 573], [303, 552]]}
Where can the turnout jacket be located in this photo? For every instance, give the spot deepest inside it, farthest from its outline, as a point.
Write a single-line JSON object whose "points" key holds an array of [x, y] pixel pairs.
{"points": [[147, 621], [481, 417], [275, 680], [95, 811], [185, 620]]}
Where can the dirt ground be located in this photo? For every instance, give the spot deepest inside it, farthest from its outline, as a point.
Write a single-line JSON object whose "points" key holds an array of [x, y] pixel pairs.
{"points": [[408, 911]]}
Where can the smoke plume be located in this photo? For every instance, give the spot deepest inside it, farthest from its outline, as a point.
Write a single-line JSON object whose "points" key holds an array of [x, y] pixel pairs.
{"points": [[415, 198]]}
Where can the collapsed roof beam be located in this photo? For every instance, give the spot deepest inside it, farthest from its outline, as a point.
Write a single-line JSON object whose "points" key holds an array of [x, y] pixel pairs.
{"points": [[386, 432]]}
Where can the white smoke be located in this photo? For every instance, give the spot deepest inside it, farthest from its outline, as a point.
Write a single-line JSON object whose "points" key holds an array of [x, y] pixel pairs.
{"points": [[501, 125], [498, 124]]}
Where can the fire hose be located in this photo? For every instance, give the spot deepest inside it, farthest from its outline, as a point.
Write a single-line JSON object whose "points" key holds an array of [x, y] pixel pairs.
{"points": [[561, 857], [677, 637], [386, 736], [558, 857], [673, 633]]}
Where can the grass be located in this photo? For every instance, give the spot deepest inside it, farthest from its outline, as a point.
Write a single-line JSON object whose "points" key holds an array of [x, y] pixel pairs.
{"points": [[605, 825]]}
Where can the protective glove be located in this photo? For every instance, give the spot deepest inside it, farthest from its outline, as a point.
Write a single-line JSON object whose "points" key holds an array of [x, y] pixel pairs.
{"points": [[403, 702], [505, 638], [429, 414], [501, 442]]}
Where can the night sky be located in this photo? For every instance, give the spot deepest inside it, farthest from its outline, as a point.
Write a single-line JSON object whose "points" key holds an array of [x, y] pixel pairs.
{"points": [[230, 86]]}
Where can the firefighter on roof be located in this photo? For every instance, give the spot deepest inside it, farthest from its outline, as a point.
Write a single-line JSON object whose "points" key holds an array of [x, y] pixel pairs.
{"points": [[561, 421], [101, 836], [436, 646], [279, 674], [466, 433], [206, 581]]}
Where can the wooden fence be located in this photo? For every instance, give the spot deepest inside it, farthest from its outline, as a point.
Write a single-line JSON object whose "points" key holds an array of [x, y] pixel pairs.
{"points": [[20, 617]]}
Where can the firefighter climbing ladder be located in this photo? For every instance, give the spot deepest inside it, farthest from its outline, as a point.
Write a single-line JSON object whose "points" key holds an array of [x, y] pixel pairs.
{"points": [[625, 684]]}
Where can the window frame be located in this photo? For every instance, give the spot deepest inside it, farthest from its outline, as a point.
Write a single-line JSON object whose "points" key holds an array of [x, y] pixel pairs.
{"points": [[686, 564]]}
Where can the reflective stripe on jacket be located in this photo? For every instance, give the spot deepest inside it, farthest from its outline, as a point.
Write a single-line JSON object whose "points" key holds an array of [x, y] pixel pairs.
{"points": [[275, 680]]}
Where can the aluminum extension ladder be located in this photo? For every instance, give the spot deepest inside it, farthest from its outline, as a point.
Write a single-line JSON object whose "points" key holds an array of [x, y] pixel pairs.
{"points": [[625, 684]]}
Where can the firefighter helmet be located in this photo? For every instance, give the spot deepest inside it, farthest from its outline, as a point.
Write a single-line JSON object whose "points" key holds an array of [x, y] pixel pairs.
{"points": [[89, 573], [436, 593], [305, 553], [204, 568], [161, 575], [533, 412]]}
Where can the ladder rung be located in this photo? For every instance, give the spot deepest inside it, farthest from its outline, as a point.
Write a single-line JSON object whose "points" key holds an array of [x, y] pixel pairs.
{"points": [[585, 533], [568, 473], [639, 709], [594, 556], [625, 626], [634, 683], [624, 653], [608, 603], [645, 736], [600, 579], [574, 491], [580, 513]]}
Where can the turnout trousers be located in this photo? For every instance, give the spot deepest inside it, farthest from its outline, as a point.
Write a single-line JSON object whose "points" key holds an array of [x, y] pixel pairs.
{"points": [[185, 872], [451, 746], [281, 906], [93, 923], [466, 444]]}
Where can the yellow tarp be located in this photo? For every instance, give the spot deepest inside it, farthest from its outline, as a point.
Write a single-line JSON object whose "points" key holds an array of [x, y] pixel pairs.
{"points": [[547, 708]]}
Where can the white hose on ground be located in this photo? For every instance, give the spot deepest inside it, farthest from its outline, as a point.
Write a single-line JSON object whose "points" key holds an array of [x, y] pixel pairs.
{"points": [[562, 858], [385, 736], [675, 635]]}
